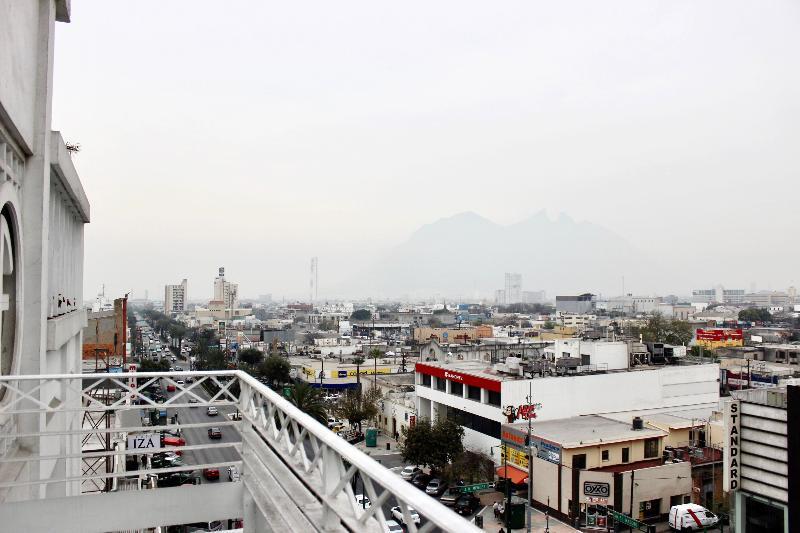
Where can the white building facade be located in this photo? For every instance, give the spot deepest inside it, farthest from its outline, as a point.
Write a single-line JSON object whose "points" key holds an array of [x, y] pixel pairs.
{"points": [[225, 291], [480, 398], [43, 213], [175, 297]]}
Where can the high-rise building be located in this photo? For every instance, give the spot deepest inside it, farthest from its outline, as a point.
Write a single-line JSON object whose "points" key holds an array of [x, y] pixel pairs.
{"points": [[719, 295], [175, 297], [225, 291], [513, 288]]}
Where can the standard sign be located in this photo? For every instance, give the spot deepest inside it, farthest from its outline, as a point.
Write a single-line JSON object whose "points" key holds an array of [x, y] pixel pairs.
{"points": [[144, 441], [596, 489], [731, 451]]}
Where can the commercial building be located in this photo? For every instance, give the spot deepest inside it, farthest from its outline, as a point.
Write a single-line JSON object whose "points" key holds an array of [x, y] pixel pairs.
{"points": [[583, 304], [584, 465], [175, 297], [513, 288], [225, 292], [482, 396], [719, 295], [762, 459], [105, 342], [43, 210]]}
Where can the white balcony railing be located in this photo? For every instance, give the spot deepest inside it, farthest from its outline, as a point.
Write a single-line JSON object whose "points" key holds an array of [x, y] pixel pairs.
{"points": [[296, 475]]}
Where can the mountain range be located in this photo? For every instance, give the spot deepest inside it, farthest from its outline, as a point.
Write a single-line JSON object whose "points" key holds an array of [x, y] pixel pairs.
{"points": [[467, 255]]}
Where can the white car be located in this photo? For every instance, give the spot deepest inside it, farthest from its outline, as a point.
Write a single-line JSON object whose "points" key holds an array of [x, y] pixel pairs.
{"points": [[212, 411], [233, 473], [393, 527], [363, 502], [397, 513], [409, 472], [179, 382], [691, 517]]}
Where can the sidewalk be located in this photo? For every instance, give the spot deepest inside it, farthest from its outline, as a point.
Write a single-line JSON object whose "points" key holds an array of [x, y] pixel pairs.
{"points": [[539, 522], [380, 449]]}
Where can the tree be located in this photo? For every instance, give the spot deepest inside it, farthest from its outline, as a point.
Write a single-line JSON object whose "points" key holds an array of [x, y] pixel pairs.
{"points": [[275, 369], [213, 359], [471, 467], [327, 325], [358, 361], [434, 445], [148, 365], [374, 353], [755, 314], [361, 314], [357, 407], [177, 331], [308, 399], [548, 325], [309, 337], [666, 330], [251, 356], [434, 322]]}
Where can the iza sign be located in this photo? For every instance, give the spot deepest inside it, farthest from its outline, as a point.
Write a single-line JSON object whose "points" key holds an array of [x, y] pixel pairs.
{"points": [[145, 441], [732, 446]]}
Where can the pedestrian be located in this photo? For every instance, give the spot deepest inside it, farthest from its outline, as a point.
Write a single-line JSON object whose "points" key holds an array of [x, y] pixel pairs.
{"points": [[496, 509], [501, 530]]}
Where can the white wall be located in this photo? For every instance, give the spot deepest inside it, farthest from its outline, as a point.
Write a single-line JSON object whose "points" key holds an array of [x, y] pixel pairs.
{"points": [[18, 60]]}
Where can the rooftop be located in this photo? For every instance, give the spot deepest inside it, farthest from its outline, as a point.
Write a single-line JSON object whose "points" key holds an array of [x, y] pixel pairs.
{"points": [[590, 430]]}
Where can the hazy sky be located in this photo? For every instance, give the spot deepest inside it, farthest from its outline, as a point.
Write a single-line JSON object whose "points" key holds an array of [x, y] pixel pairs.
{"points": [[255, 134]]}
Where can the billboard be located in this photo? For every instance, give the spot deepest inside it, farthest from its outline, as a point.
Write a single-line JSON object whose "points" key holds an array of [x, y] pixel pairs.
{"points": [[715, 338]]}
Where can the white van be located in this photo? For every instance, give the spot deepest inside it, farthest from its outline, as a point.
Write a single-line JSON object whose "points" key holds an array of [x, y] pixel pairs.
{"points": [[691, 517]]}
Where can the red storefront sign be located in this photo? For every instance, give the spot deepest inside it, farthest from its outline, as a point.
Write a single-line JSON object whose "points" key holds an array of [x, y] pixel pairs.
{"points": [[458, 377], [719, 335]]}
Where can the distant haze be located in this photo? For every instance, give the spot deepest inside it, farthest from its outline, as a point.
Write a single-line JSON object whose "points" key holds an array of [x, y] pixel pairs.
{"points": [[255, 135]]}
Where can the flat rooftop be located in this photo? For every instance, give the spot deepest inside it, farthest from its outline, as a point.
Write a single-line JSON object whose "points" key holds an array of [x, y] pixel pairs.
{"points": [[580, 431]]}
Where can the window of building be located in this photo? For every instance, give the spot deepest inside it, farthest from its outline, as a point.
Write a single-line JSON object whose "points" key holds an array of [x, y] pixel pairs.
{"points": [[494, 398], [651, 448], [604, 455], [579, 461], [626, 455], [440, 384], [426, 380], [456, 389], [474, 422], [474, 393]]}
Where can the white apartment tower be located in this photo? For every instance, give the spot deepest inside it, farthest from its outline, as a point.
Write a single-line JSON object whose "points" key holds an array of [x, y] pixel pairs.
{"points": [[225, 291], [175, 297], [513, 289]]}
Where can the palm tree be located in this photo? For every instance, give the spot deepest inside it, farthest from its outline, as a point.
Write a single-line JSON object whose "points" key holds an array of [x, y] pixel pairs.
{"points": [[358, 361], [308, 399]]}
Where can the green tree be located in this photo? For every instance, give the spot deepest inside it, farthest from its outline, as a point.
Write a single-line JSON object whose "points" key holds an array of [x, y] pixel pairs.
{"points": [[434, 322], [434, 445], [356, 407], [471, 467], [275, 369], [548, 324], [308, 399], [213, 359], [666, 330], [361, 314], [755, 314], [251, 356], [358, 361], [374, 353], [148, 365], [177, 331]]}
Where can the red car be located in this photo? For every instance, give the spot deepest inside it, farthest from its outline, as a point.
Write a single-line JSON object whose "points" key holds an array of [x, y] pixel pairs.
{"points": [[170, 388], [175, 441], [211, 473]]}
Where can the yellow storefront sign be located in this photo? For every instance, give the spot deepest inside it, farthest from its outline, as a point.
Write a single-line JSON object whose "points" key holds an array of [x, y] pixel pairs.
{"points": [[514, 456], [370, 371]]}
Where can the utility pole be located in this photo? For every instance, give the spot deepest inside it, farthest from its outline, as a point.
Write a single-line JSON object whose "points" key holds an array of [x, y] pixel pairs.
{"points": [[530, 458], [632, 485]]}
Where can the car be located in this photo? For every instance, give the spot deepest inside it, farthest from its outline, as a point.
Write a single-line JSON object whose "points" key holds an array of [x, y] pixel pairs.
{"points": [[211, 473], [421, 480], [174, 479], [450, 496], [166, 462], [435, 487], [691, 517], [189, 379], [467, 504], [180, 382], [212, 411], [363, 501], [397, 513], [193, 401], [409, 472], [170, 388], [173, 441], [171, 432], [393, 527], [235, 416], [233, 473], [214, 433], [332, 423]]}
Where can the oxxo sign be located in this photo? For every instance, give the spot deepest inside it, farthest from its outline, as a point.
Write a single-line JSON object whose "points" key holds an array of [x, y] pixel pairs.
{"points": [[596, 489], [732, 446]]}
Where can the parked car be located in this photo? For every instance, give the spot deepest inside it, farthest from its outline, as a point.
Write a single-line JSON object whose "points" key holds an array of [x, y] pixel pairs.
{"points": [[393, 527], [467, 504], [397, 513], [362, 502], [235, 416], [211, 473], [174, 441], [233, 473], [435, 487], [212, 411], [170, 388], [174, 479], [450, 496], [691, 517], [409, 472], [421, 480], [169, 461], [214, 433]]}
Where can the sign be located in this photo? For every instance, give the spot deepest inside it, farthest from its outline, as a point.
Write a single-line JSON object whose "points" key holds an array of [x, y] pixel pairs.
{"points": [[625, 520], [476, 487], [596, 489], [131, 380], [514, 456], [714, 338], [731, 469], [460, 377], [370, 371], [412, 421], [144, 441]]}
